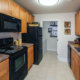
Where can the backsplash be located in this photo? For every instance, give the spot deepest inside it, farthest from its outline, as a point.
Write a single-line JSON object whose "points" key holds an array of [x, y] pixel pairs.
{"points": [[10, 34]]}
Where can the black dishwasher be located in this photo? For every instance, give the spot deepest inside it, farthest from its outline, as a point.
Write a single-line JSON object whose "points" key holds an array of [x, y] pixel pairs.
{"points": [[69, 55]]}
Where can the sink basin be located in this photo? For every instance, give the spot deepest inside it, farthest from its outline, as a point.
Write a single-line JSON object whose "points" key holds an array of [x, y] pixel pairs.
{"points": [[77, 48]]}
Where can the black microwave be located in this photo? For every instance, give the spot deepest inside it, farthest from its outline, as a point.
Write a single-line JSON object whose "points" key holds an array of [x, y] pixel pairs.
{"points": [[9, 24]]}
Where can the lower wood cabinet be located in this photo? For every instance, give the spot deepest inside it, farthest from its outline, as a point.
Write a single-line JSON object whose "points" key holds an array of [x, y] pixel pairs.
{"points": [[75, 60], [30, 56], [4, 70]]}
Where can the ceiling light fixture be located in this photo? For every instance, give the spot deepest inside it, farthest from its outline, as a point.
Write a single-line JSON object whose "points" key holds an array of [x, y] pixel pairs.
{"points": [[48, 2]]}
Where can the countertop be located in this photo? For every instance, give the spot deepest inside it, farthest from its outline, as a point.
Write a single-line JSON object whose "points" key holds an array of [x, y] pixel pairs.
{"points": [[3, 57], [72, 45], [27, 44]]}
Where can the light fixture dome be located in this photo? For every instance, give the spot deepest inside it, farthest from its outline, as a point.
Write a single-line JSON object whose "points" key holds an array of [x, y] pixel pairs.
{"points": [[48, 2]]}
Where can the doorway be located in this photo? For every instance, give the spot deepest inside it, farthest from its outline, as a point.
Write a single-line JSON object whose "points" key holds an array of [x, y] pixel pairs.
{"points": [[50, 37]]}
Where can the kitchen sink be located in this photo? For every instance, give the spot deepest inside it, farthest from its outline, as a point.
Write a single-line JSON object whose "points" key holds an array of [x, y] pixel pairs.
{"points": [[77, 48]]}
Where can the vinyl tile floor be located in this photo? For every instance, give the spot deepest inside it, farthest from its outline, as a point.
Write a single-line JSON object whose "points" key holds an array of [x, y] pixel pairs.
{"points": [[50, 68]]}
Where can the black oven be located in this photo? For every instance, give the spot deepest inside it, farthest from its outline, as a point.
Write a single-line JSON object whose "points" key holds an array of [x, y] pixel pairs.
{"points": [[18, 65], [9, 24]]}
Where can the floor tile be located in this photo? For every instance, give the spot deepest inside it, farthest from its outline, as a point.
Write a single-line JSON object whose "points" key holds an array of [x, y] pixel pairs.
{"points": [[50, 69]]}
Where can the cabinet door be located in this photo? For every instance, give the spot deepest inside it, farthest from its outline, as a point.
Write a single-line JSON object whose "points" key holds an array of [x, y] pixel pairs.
{"points": [[27, 17], [79, 22], [72, 61], [76, 32], [76, 72], [15, 10], [23, 18], [32, 18], [4, 7], [24, 26], [10, 7], [22, 13], [4, 70], [75, 64], [30, 57]]}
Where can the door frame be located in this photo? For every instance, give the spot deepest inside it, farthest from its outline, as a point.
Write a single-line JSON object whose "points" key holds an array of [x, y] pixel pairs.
{"points": [[41, 22]]}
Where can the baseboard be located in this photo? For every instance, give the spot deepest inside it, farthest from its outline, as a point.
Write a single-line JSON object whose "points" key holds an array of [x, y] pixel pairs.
{"points": [[62, 59], [51, 50]]}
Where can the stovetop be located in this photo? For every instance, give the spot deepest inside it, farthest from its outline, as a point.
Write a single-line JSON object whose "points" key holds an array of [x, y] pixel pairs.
{"points": [[7, 46], [11, 49]]}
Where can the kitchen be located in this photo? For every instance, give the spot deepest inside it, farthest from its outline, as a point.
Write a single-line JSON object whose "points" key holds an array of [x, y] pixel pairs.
{"points": [[20, 41]]}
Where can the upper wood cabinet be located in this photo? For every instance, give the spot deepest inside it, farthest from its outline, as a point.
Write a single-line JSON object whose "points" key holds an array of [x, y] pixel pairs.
{"points": [[15, 10], [11, 8], [30, 17], [77, 23], [23, 18], [27, 17], [22, 13], [4, 6]]}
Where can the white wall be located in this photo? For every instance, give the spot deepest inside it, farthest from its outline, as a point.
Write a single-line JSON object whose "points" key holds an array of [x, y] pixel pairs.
{"points": [[10, 34], [51, 41], [63, 39]]}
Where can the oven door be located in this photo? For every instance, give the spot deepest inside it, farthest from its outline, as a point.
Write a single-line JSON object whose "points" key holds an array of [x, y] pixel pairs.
{"points": [[18, 65], [10, 24]]}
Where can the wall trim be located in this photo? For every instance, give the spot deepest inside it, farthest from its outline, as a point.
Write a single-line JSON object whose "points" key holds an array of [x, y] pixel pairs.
{"points": [[51, 50], [62, 59]]}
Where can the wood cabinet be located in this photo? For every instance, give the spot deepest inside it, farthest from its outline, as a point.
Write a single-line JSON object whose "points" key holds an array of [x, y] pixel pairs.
{"points": [[77, 23], [4, 70], [30, 53], [30, 57], [10, 7], [15, 10], [23, 18], [4, 6], [30, 18], [75, 64]]}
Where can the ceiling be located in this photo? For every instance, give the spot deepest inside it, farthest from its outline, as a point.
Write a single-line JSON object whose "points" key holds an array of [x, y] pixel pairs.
{"points": [[61, 7]]}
